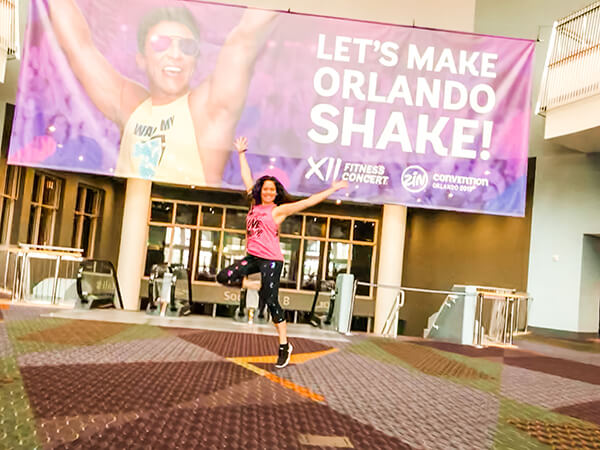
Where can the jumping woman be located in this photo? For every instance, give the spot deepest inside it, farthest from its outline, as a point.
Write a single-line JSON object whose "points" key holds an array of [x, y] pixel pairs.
{"points": [[269, 207]]}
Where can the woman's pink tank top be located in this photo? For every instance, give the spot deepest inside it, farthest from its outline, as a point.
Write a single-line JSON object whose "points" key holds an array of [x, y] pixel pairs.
{"points": [[262, 233]]}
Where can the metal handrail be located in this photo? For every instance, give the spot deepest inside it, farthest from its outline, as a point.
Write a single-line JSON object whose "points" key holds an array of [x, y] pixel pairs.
{"points": [[573, 55], [9, 32], [113, 274], [482, 294], [25, 252], [47, 248]]}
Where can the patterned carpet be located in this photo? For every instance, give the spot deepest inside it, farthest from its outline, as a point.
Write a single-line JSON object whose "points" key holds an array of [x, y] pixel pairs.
{"points": [[83, 384]]}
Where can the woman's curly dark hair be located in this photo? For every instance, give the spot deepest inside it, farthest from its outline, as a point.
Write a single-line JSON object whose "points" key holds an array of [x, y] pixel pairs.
{"points": [[281, 197]]}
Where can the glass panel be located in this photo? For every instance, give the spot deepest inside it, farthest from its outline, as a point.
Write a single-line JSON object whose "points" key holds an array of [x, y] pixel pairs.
{"points": [[337, 259], [180, 240], [339, 229], [157, 237], [86, 237], [208, 253], [234, 248], [362, 256], [312, 263], [236, 219], [364, 230], [186, 214], [291, 225], [161, 212], [211, 216], [6, 222], [37, 179], [90, 201], [289, 274], [31, 229], [50, 191], [316, 226], [79, 201], [10, 180], [45, 230], [75, 234]]}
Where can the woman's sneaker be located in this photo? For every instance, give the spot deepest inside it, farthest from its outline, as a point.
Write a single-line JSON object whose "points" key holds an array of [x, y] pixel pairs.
{"points": [[285, 352]]}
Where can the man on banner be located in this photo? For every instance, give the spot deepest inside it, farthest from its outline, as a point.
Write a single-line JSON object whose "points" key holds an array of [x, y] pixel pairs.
{"points": [[170, 131]]}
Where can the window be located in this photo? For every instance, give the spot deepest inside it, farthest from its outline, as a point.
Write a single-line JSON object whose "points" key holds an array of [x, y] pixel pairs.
{"points": [[312, 263], [172, 234], [208, 255], [8, 197], [45, 200], [206, 238], [85, 222], [291, 257]]}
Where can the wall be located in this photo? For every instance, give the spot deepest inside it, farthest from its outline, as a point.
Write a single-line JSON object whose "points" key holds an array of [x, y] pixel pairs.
{"points": [[590, 280], [444, 248], [458, 16], [8, 89], [566, 206], [567, 188], [110, 215]]}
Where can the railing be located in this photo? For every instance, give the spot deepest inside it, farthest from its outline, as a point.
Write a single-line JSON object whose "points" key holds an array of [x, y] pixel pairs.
{"points": [[9, 28], [572, 65], [502, 312], [40, 273], [390, 327], [506, 316]]}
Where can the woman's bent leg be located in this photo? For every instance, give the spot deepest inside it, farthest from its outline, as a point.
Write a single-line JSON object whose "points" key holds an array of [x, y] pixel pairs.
{"points": [[235, 273]]}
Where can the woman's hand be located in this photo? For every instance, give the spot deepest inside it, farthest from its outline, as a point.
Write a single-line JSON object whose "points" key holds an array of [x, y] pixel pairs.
{"points": [[339, 184], [241, 144]]}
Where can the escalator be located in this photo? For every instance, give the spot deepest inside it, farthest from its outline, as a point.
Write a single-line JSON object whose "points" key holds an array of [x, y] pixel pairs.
{"points": [[97, 285]]}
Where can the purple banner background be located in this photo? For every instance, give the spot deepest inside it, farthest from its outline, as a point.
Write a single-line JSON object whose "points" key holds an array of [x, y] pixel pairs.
{"points": [[58, 127]]}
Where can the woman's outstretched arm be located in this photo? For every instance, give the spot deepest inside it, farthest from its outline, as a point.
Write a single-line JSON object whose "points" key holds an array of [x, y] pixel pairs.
{"points": [[241, 145], [287, 209]]}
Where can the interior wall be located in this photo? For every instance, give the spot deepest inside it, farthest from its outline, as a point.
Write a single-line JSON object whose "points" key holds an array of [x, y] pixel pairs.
{"points": [[566, 206], [8, 89], [590, 283], [444, 248], [567, 189], [532, 19], [111, 213], [459, 15]]}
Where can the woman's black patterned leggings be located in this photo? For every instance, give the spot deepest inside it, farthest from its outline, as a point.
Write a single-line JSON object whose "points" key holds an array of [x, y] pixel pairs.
{"points": [[270, 272]]}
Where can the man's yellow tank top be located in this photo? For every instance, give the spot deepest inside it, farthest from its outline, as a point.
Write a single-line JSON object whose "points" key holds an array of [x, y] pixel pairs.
{"points": [[159, 143]]}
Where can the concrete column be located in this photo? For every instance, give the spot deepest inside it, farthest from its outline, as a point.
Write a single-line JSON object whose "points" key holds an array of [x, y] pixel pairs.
{"points": [[134, 236], [391, 255]]}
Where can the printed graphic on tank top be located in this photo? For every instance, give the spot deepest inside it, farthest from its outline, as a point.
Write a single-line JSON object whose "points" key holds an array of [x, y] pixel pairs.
{"points": [[262, 233]]}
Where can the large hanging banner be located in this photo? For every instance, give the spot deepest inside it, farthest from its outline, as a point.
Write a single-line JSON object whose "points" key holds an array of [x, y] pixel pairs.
{"points": [[160, 89]]}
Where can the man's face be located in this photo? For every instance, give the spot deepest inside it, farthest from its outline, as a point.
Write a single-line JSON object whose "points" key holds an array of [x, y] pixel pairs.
{"points": [[169, 58]]}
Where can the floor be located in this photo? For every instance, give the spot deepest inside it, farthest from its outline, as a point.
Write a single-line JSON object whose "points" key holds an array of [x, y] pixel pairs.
{"points": [[108, 379]]}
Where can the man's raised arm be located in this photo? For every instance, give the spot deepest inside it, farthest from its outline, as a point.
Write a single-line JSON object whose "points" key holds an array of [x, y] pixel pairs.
{"points": [[228, 84], [113, 94]]}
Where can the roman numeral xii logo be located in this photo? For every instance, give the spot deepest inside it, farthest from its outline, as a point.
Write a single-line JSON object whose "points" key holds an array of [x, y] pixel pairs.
{"points": [[325, 169]]}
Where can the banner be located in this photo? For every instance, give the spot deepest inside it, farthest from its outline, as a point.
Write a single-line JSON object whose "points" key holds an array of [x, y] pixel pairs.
{"points": [[160, 89]]}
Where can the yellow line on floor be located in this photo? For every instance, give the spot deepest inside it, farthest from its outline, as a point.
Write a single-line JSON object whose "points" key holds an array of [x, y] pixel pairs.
{"points": [[297, 358]]}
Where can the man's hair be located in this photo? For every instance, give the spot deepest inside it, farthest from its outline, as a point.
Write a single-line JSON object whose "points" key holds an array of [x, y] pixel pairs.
{"points": [[177, 14]]}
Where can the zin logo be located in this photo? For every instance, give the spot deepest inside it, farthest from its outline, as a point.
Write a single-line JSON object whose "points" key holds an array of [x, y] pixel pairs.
{"points": [[414, 179]]}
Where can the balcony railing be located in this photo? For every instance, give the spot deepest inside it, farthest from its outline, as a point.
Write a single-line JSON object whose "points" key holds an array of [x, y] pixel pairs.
{"points": [[9, 28], [572, 70]]}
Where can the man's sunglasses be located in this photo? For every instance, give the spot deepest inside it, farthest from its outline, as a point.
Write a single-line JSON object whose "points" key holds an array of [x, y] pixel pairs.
{"points": [[187, 46]]}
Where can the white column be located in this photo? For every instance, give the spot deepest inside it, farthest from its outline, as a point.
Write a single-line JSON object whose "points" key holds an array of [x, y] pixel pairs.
{"points": [[134, 235], [391, 254]]}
